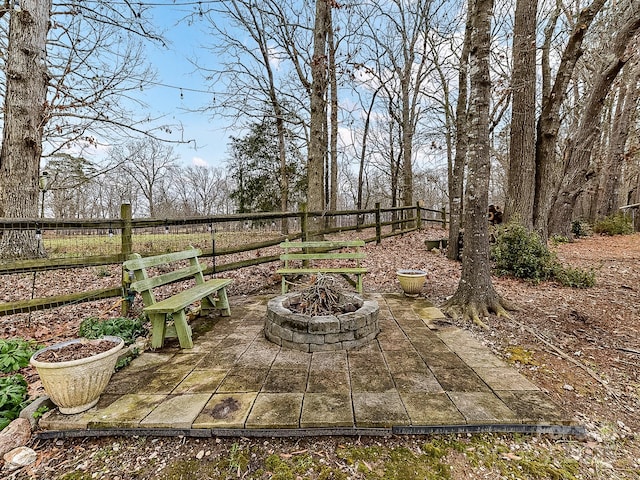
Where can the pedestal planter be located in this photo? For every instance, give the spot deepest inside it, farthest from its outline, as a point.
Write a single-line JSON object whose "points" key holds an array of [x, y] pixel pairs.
{"points": [[76, 385], [411, 281]]}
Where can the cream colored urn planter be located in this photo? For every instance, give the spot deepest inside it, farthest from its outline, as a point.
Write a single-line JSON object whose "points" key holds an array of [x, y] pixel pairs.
{"points": [[76, 385], [411, 281]]}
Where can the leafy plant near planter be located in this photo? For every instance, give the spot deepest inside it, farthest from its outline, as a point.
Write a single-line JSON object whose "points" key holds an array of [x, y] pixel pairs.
{"points": [[15, 354], [126, 328], [13, 398]]}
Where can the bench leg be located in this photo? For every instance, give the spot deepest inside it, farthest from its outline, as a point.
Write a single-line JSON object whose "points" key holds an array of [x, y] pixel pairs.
{"points": [[359, 285], [158, 329], [223, 302], [183, 329], [284, 285]]}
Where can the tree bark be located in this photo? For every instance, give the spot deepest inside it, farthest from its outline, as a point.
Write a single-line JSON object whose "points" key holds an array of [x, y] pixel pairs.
{"points": [[333, 121], [25, 115], [456, 173], [317, 140], [626, 109], [547, 167], [475, 296], [578, 172], [522, 156]]}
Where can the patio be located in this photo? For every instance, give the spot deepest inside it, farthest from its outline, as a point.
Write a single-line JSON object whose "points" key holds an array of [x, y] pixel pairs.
{"points": [[421, 375]]}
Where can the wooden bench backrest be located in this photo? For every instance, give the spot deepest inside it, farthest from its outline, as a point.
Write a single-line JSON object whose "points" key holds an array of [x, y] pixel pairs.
{"points": [[304, 251], [144, 284]]}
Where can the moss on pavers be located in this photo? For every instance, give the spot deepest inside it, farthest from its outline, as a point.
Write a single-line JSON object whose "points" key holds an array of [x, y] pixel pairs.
{"points": [[429, 313], [176, 411], [373, 379], [441, 359], [126, 412], [482, 408], [459, 379], [504, 378], [292, 359], [378, 410], [480, 357], [54, 420], [128, 381], [275, 410], [165, 380], [148, 361], [258, 356], [534, 407], [403, 361], [329, 360], [223, 358], [326, 410], [225, 410], [244, 379], [431, 409], [364, 360], [287, 380], [201, 381], [417, 381], [190, 360], [328, 381]]}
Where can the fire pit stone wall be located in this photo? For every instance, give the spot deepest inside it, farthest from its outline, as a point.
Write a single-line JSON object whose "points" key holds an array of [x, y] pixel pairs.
{"points": [[323, 332]]}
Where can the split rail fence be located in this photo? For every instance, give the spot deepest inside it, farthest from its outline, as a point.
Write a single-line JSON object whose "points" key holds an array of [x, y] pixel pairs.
{"points": [[229, 242]]}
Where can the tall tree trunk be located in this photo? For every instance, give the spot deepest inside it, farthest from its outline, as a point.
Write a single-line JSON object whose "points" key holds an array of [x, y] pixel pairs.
{"points": [[333, 148], [626, 109], [522, 156], [475, 296], [548, 169], [317, 140], [25, 115], [363, 152], [578, 172], [456, 172]]}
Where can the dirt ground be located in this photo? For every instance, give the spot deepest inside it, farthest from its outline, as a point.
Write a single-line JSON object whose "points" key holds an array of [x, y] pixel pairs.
{"points": [[582, 346]]}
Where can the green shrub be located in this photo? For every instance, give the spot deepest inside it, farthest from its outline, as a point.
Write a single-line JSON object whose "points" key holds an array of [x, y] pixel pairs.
{"points": [[13, 398], [580, 228], [126, 328], [15, 354], [575, 277], [617, 224], [558, 239], [522, 254]]}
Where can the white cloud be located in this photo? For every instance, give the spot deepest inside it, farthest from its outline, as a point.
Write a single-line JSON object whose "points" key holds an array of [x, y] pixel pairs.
{"points": [[199, 162]]}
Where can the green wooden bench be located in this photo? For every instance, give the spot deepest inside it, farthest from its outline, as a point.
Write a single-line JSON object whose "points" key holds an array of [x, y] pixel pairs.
{"points": [[212, 293], [307, 254]]}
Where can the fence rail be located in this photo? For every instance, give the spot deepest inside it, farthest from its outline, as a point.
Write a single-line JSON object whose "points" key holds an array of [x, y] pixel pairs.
{"points": [[70, 244]]}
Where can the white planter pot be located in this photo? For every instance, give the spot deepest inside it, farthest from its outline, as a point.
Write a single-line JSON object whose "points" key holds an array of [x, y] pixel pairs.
{"points": [[411, 281], [76, 385]]}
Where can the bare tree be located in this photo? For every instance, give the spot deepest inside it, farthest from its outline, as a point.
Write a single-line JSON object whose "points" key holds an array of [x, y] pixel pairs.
{"points": [[149, 163], [522, 158], [611, 197], [549, 122], [476, 296], [578, 171]]}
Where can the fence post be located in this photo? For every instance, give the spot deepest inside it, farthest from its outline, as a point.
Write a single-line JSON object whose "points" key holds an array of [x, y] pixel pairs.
{"points": [[444, 217], [126, 247], [304, 219], [418, 215], [378, 225]]}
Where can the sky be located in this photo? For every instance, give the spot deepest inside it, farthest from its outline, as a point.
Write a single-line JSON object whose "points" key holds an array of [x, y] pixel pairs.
{"points": [[180, 89]]}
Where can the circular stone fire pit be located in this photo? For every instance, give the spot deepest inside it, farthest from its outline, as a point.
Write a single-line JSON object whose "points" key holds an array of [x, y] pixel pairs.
{"points": [[321, 333]]}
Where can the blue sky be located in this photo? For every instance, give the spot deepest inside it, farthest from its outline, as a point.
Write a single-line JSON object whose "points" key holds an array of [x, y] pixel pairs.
{"points": [[182, 88]]}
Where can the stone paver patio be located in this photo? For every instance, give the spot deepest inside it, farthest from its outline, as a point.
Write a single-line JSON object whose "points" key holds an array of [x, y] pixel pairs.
{"points": [[420, 375]]}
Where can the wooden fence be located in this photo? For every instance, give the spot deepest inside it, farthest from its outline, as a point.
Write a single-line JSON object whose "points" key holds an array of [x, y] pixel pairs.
{"points": [[126, 235]]}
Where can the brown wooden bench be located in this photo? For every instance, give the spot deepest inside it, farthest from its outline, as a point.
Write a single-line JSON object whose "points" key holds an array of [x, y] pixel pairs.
{"points": [[212, 293], [309, 253]]}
